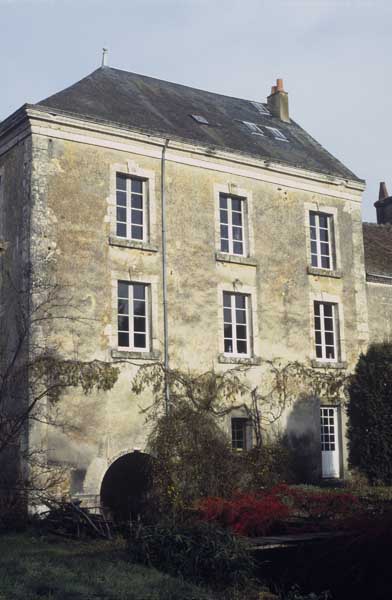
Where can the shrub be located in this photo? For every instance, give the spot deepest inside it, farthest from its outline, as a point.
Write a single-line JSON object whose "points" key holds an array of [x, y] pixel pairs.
{"points": [[369, 411], [273, 511], [199, 551]]}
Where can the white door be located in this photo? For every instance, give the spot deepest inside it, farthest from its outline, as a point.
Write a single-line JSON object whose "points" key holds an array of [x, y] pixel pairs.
{"points": [[330, 464]]}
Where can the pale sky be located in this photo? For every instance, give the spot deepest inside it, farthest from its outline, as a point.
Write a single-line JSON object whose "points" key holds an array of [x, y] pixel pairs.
{"points": [[335, 58]]}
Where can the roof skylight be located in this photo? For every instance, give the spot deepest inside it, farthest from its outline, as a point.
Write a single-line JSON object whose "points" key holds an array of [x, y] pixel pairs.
{"points": [[255, 129], [200, 119], [263, 110], [278, 135]]}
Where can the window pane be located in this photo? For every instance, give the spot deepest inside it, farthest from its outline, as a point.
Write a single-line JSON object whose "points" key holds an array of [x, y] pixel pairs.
{"points": [[314, 260], [122, 289], [139, 324], [237, 233], [224, 245], [317, 323], [323, 220], [121, 198], [139, 291], [240, 316], [240, 301], [137, 217], [123, 307], [223, 216], [325, 262], [137, 186], [222, 202], [228, 331], [328, 310], [324, 237], [317, 309], [123, 339], [226, 299], [139, 307], [319, 353], [237, 218], [228, 346], [123, 324], [313, 247], [137, 232], [121, 182], [224, 231], [121, 214], [241, 332], [236, 204], [121, 230], [312, 219], [238, 248], [136, 201], [313, 235], [241, 347], [330, 352], [329, 339], [227, 315], [318, 337], [324, 248], [139, 340]]}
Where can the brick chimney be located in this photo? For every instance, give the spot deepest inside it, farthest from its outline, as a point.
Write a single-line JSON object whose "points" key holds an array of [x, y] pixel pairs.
{"points": [[278, 102], [384, 206]]}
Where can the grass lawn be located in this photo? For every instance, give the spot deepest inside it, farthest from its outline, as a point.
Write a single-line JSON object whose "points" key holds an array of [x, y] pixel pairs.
{"points": [[33, 568]]}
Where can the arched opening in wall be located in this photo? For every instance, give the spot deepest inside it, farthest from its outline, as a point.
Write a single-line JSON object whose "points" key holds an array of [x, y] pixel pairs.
{"points": [[126, 485]]}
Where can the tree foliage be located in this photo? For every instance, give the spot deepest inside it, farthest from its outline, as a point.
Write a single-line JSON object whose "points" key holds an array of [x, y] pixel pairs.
{"points": [[370, 414]]}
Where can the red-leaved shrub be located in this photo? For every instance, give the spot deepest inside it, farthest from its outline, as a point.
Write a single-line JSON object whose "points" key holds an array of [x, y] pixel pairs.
{"points": [[281, 509]]}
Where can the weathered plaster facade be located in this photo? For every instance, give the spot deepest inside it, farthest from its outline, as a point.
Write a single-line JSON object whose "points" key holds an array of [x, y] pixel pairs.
{"points": [[69, 168]]}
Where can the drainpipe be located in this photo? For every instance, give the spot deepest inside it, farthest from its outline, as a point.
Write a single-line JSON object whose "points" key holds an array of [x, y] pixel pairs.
{"points": [[164, 280]]}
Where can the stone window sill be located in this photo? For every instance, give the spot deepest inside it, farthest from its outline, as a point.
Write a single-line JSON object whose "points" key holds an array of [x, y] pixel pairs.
{"points": [[236, 360], [124, 243], [233, 258], [131, 355], [324, 272], [319, 364]]}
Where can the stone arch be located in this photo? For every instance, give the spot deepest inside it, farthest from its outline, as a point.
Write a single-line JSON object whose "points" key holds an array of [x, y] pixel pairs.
{"points": [[125, 487]]}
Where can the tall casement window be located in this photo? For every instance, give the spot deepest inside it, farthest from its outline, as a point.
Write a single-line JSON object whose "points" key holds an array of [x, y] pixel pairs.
{"points": [[326, 331], [131, 207], [232, 224], [236, 309], [133, 317], [321, 240], [240, 433]]}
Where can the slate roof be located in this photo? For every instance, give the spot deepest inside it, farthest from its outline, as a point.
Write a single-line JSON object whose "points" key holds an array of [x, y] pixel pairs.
{"points": [[377, 241], [159, 107]]}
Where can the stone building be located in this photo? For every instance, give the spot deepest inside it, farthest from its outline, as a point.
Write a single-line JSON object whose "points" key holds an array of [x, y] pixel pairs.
{"points": [[196, 229]]}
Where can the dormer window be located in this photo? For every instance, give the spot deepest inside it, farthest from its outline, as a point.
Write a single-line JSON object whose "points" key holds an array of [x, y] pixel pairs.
{"points": [[263, 110], [200, 119], [253, 128], [278, 135]]}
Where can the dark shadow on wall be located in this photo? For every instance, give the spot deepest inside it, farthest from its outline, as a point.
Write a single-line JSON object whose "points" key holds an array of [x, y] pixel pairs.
{"points": [[303, 439]]}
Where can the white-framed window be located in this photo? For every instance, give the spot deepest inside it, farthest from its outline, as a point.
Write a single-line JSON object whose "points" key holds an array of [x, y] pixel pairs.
{"points": [[241, 433], [236, 324], [133, 322], [322, 251], [278, 134], [326, 329], [253, 128], [263, 110], [131, 207], [232, 213]]}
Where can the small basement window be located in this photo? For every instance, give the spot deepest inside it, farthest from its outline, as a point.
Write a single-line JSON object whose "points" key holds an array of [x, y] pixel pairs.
{"points": [[278, 135], [255, 129], [200, 119], [263, 110]]}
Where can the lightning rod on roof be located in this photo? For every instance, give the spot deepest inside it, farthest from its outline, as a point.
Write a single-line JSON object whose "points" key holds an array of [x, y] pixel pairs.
{"points": [[104, 57]]}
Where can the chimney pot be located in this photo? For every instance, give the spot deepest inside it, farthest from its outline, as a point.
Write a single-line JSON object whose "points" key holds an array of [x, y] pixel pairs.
{"points": [[383, 193], [279, 85]]}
